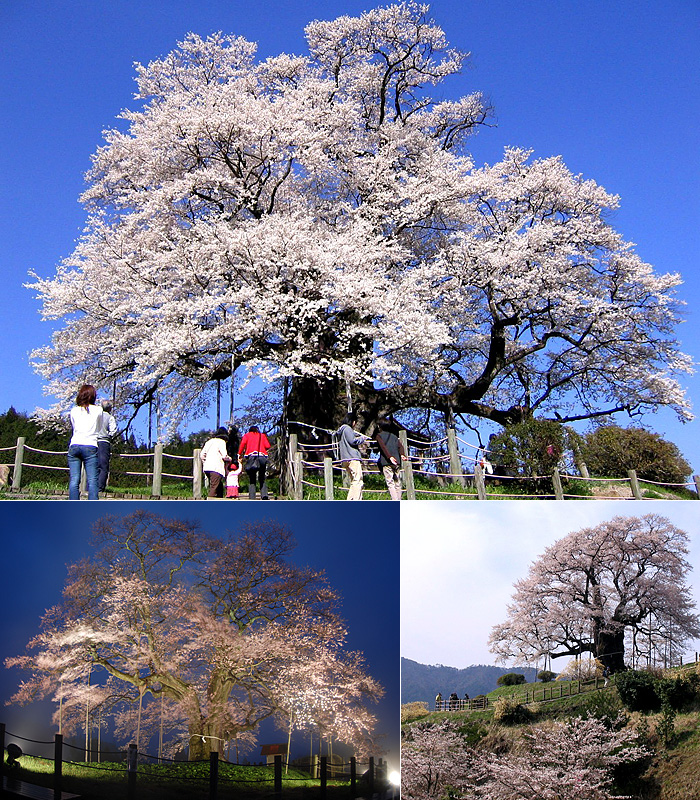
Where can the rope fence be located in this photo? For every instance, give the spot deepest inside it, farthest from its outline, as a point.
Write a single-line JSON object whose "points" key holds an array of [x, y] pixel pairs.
{"points": [[442, 475], [437, 469], [320, 770]]}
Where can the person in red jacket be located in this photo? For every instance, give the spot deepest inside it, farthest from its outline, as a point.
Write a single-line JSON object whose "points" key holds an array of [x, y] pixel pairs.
{"points": [[254, 448]]}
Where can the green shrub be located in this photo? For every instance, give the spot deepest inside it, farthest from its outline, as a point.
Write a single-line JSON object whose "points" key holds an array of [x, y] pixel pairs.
{"points": [[604, 705], [546, 676], [508, 711], [413, 711], [534, 447], [638, 690], [611, 451], [510, 679], [681, 691]]}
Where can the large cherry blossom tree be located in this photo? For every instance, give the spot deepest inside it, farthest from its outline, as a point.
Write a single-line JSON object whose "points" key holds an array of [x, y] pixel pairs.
{"points": [[318, 218], [166, 611], [618, 587]]}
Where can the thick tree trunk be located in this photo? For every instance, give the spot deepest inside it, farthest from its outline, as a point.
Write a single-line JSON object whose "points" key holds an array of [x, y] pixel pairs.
{"points": [[205, 739], [610, 650], [314, 402]]}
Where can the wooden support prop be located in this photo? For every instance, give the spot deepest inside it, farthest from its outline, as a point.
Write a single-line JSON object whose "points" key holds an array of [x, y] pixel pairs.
{"points": [[634, 483], [408, 468], [328, 477], [157, 485], [558, 489], [197, 474], [19, 459], [455, 460]]}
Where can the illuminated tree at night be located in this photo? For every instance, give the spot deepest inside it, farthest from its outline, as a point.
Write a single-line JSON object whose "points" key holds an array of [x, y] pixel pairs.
{"points": [[318, 218], [188, 632], [328, 695], [604, 590]]}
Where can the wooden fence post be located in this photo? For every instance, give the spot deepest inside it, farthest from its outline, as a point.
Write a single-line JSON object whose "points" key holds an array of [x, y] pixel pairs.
{"points": [[19, 458], [353, 777], [558, 489], [324, 777], [298, 486], [289, 466], [157, 485], [214, 774], [57, 764], [328, 477], [455, 460], [479, 481], [634, 483], [278, 776], [407, 467], [197, 474], [370, 775], [132, 760]]}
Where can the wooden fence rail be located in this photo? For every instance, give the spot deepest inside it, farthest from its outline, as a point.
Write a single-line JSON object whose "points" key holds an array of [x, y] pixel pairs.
{"points": [[314, 466], [319, 770], [542, 692]]}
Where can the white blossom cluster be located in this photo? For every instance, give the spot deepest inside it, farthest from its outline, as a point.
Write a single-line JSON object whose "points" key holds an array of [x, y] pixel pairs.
{"points": [[318, 217]]}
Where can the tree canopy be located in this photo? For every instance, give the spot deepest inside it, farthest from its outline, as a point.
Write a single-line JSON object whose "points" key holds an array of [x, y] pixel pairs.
{"points": [[219, 631], [618, 587], [318, 218]]}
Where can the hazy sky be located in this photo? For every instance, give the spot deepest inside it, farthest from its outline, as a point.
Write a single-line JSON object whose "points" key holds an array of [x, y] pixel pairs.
{"points": [[459, 562], [612, 87], [361, 562]]}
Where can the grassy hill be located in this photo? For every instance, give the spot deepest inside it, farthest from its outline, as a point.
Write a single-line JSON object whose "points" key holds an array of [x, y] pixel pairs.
{"points": [[671, 772]]}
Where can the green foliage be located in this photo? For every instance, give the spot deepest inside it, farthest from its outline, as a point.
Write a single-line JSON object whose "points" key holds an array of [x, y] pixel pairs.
{"points": [[410, 712], [604, 704], [509, 711], [14, 424], [546, 676], [511, 679], [534, 447], [638, 690], [643, 691], [666, 727], [611, 451]]}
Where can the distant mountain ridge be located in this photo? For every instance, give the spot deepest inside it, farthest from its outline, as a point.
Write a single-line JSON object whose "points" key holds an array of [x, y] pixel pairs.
{"points": [[424, 681]]}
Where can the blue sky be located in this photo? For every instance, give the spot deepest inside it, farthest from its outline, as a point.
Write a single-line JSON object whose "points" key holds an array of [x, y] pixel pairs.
{"points": [[457, 580], [612, 87], [360, 561]]}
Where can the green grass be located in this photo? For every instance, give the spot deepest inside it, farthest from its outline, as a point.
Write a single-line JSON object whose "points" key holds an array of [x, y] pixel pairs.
{"points": [[179, 781]]}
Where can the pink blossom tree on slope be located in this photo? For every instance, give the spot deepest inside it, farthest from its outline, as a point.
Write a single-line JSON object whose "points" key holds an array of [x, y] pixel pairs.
{"points": [[165, 610], [571, 760], [318, 218], [602, 590]]}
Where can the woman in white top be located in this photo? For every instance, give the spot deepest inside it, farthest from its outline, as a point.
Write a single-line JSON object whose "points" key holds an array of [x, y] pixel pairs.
{"points": [[86, 419], [214, 456]]}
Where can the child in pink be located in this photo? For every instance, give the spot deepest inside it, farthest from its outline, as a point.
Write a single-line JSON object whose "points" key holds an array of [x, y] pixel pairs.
{"points": [[234, 470]]}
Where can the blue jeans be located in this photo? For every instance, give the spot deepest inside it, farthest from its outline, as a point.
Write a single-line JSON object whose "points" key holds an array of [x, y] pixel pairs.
{"points": [[104, 452], [79, 454]]}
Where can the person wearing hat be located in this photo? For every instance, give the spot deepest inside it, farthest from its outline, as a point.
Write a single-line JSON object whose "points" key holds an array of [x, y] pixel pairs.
{"points": [[214, 457]]}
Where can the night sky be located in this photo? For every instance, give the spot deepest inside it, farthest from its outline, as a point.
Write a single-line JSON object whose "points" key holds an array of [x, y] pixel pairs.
{"points": [[356, 544]]}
